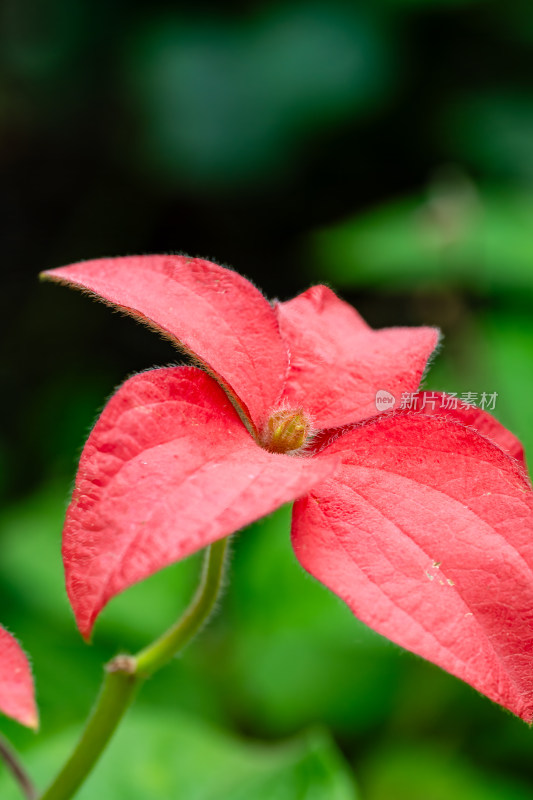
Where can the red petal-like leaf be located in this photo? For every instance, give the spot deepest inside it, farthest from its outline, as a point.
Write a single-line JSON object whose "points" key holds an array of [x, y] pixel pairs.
{"points": [[483, 422], [213, 312], [426, 532], [16, 684], [338, 363], [168, 469]]}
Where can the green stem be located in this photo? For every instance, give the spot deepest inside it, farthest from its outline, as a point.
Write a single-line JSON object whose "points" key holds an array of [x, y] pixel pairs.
{"points": [[125, 674], [115, 696], [160, 652]]}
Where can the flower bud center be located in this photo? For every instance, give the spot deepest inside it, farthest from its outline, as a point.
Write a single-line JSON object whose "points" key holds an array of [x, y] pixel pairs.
{"points": [[287, 430]]}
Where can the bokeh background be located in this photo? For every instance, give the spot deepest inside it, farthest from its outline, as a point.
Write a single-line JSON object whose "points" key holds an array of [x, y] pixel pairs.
{"points": [[383, 147]]}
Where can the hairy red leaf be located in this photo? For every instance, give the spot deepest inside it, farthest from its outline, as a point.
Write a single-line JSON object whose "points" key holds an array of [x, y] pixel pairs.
{"points": [[168, 469], [338, 363], [213, 313], [426, 529], [16, 684], [478, 419], [427, 534]]}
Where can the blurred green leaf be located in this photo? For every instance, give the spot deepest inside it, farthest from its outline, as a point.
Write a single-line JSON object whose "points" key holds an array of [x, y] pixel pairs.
{"points": [[221, 101], [492, 351], [508, 354], [423, 773], [294, 649], [158, 755], [457, 234]]}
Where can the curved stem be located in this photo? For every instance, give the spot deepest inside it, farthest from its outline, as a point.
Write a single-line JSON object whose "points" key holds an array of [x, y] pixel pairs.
{"points": [[157, 654], [11, 760], [124, 675]]}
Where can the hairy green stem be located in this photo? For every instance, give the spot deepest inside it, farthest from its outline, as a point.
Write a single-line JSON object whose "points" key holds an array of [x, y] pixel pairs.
{"points": [[125, 674], [157, 654]]}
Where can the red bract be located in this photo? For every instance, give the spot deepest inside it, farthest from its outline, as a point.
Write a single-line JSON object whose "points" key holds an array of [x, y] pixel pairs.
{"points": [[420, 521], [16, 684]]}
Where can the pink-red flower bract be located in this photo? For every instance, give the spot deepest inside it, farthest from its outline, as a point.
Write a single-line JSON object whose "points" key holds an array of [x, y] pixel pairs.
{"points": [[422, 522], [16, 683]]}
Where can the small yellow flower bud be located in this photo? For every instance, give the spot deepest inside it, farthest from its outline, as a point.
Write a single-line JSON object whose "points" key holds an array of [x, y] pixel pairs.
{"points": [[286, 431]]}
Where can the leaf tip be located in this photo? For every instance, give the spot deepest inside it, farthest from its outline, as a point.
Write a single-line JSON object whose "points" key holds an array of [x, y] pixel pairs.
{"points": [[85, 627], [31, 720], [87, 636]]}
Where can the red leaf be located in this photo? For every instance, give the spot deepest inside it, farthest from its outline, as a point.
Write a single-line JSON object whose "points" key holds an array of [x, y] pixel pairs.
{"points": [[168, 469], [16, 684], [213, 312], [338, 363], [427, 534], [483, 422]]}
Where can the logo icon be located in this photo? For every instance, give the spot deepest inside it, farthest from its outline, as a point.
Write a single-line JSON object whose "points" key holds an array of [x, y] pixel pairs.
{"points": [[385, 401]]}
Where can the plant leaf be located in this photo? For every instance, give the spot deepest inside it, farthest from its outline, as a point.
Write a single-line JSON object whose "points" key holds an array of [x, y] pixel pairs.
{"points": [[427, 534], [212, 312], [16, 684], [476, 418], [338, 363], [168, 469]]}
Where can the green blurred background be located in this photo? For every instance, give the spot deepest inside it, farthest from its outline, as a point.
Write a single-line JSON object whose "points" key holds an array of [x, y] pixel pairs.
{"points": [[383, 147]]}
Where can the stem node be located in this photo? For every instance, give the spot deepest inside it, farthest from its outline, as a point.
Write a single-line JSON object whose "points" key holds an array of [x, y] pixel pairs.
{"points": [[122, 663]]}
